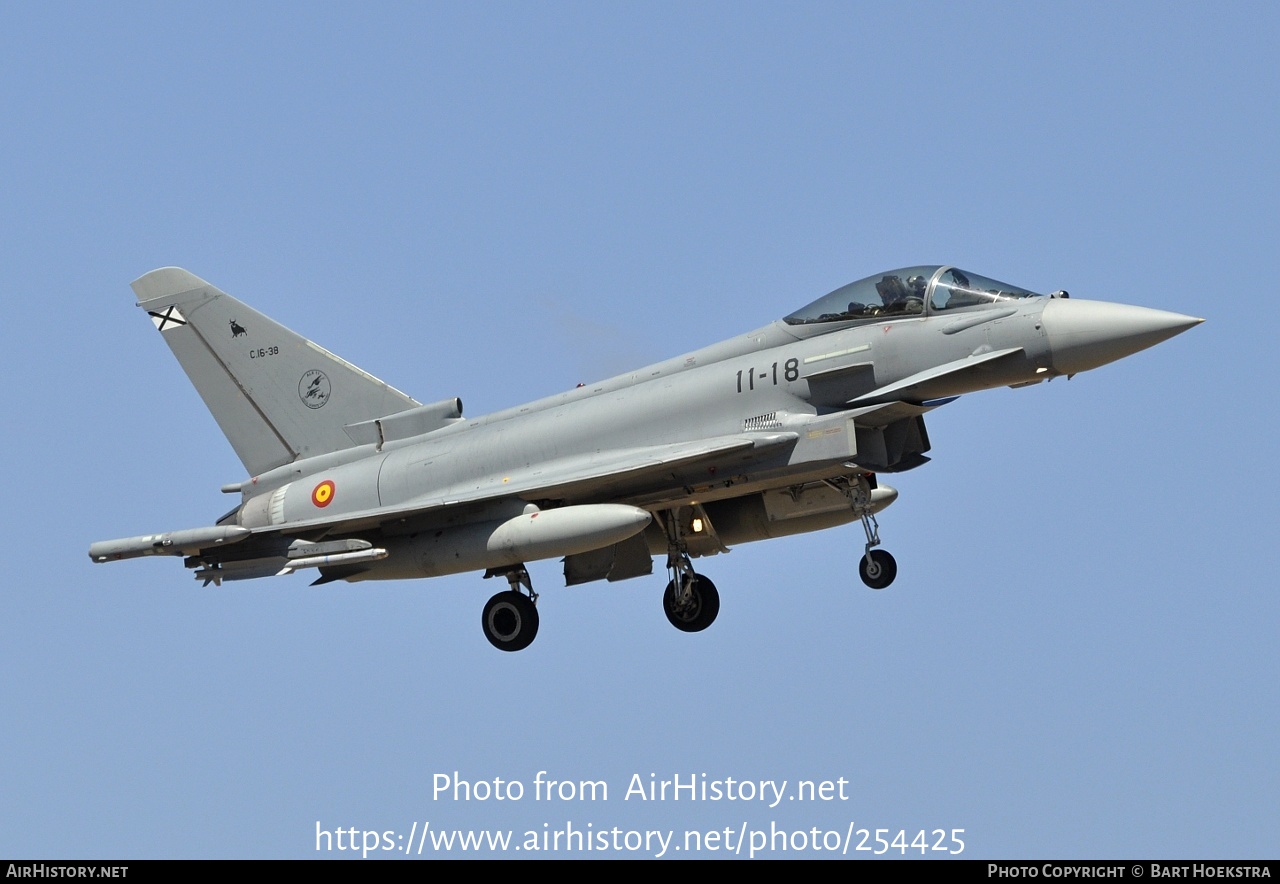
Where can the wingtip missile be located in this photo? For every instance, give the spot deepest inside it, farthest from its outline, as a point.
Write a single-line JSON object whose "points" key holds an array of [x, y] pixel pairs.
{"points": [[173, 543]]}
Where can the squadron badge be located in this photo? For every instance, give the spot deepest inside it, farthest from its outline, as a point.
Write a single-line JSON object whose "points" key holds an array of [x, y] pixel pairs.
{"points": [[314, 389]]}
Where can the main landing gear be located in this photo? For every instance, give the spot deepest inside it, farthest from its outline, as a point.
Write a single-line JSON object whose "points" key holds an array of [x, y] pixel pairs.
{"points": [[510, 618], [694, 606], [691, 601]]}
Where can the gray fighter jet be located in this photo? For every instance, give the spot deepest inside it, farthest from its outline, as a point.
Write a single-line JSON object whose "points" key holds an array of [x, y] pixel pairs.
{"points": [[780, 431]]}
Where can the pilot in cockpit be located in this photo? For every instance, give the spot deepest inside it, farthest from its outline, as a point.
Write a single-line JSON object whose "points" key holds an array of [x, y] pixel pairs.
{"points": [[902, 297]]}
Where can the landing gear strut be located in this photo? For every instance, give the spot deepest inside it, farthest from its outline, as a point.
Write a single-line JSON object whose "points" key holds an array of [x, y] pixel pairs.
{"points": [[510, 618], [691, 601]]}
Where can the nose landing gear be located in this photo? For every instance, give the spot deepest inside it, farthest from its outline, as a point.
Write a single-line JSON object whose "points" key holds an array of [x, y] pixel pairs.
{"points": [[877, 567]]}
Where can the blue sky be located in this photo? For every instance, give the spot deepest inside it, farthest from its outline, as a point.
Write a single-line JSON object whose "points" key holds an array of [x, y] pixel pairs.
{"points": [[499, 201]]}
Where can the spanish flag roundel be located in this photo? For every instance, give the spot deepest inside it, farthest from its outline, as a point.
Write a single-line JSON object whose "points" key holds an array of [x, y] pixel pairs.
{"points": [[323, 494]]}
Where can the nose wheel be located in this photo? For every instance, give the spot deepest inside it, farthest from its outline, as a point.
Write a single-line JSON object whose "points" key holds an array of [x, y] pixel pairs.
{"points": [[877, 568]]}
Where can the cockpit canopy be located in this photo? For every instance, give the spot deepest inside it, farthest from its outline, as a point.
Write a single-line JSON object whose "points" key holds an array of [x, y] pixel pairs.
{"points": [[911, 291]]}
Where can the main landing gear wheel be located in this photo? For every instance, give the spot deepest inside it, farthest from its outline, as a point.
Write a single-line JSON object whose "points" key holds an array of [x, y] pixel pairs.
{"points": [[510, 621], [699, 607], [877, 568]]}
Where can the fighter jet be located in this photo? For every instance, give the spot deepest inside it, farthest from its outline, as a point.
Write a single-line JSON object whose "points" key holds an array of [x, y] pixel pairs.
{"points": [[783, 430]]}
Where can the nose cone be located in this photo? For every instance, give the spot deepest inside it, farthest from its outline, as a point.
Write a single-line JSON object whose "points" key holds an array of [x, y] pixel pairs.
{"points": [[1085, 334]]}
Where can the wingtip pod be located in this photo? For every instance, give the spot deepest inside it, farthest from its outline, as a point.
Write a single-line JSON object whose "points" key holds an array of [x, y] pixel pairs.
{"points": [[166, 282]]}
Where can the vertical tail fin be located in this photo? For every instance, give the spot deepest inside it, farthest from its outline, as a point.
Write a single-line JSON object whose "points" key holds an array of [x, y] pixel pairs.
{"points": [[275, 395]]}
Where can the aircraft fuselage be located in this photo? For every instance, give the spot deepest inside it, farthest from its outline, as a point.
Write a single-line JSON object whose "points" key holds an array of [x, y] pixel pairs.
{"points": [[779, 431]]}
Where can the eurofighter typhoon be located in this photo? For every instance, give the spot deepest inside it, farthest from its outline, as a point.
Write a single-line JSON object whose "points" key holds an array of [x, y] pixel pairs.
{"points": [[780, 431]]}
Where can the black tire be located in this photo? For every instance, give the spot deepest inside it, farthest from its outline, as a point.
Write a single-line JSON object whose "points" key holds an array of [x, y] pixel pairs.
{"points": [[879, 571], [510, 621], [702, 608]]}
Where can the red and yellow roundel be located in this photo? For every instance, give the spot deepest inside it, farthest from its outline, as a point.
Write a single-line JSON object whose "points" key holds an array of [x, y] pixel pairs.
{"points": [[322, 496]]}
